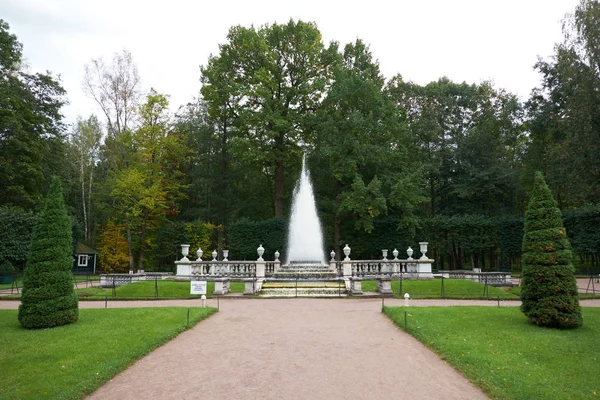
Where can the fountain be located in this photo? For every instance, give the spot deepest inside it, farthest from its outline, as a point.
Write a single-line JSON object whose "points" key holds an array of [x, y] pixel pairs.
{"points": [[305, 261], [305, 237]]}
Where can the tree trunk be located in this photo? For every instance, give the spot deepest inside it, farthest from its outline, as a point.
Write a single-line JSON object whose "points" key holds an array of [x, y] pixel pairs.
{"points": [[130, 249], [89, 208], [223, 209], [337, 239], [141, 251], [279, 189], [279, 179], [85, 222]]}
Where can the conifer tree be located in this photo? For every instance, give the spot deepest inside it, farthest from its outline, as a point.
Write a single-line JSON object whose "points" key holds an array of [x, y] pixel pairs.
{"points": [[549, 288], [48, 297]]}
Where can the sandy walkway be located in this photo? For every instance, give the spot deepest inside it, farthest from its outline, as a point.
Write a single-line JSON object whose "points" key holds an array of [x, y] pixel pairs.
{"points": [[291, 349]]}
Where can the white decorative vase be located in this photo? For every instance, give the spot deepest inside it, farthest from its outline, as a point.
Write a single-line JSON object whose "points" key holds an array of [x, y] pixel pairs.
{"points": [[409, 252], [225, 255], [199, 254], [395, 253], [260, 250], [185, 250], [214, 255], [423, 246], [277, 254], [347, 253], [384, 252], [332, 254]]}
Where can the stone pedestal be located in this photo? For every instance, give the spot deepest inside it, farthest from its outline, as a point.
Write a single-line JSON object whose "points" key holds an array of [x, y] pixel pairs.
{"points": [[356, 286], [183, 267], [424, 268], [221, 286], [332, 266], [384, 285], [260, 269], [249, 286]]}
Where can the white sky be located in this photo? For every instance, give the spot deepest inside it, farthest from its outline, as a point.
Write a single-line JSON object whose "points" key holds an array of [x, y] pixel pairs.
{"points": [[423, 40]]}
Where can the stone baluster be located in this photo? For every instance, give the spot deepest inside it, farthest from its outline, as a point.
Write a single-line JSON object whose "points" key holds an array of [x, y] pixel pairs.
{"points": [[277, 264]]}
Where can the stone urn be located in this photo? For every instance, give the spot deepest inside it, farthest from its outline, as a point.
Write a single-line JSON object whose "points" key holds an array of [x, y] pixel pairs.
{"points": [[347, 252], [185, 250], [260, 250], [423, 248]]}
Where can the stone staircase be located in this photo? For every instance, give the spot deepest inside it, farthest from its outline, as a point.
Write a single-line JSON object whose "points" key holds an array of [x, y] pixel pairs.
{"points": [[303, 279], [303, 271]]}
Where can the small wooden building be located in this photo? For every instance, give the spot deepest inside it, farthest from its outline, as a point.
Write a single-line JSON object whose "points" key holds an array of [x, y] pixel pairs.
{"points": [[85, 260]]}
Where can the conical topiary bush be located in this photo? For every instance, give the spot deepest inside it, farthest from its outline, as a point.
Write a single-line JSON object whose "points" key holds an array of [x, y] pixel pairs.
{"points": [[548, 288], [48, 297]]}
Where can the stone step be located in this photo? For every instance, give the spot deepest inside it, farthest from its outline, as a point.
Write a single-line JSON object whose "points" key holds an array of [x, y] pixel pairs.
{"points": [[316, 284], [302, 277], [303, 292], [303, 269]]}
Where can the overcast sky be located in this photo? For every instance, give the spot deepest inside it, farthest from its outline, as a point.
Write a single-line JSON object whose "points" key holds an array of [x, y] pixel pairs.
{"points": [[423, 40]]}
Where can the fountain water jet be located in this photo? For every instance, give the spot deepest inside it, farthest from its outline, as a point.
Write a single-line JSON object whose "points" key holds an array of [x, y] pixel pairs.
{"points": [[305, 237]]}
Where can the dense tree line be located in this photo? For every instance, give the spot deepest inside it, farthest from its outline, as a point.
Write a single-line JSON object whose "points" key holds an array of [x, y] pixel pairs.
{"points": [[392, 162]]}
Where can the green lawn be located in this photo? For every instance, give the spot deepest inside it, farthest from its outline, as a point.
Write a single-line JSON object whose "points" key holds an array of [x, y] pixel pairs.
{"points": [[453, 289], [76, 278], [516, 290], [166, 289], [508, 358], [69, 362]]}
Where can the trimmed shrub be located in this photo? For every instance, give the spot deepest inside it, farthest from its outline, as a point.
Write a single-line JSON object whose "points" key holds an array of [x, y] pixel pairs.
{"points": [[548, 288], [245, 236], [49, 297]]}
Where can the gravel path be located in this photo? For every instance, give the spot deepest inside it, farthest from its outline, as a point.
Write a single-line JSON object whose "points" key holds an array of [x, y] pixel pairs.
{"points": [[291, 349]]}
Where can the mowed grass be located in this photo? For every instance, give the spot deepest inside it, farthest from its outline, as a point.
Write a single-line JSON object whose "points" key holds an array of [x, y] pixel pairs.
{"points": [[453, 289], [76, 278], [499, 351], [69, 362], [166, 289]]}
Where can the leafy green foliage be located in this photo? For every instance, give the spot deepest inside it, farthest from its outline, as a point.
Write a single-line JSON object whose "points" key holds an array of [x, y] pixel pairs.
{"points": [[49, 298], [583, 229], [261, 90], [245, 236], [549, 288], [31, 138], [16, 226], [6, 268]]}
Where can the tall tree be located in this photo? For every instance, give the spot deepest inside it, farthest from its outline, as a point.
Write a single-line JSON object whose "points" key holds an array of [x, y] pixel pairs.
{"points": [[85, 139], [362, 141], [151, 184], [115, 88], [549, 288], [565, 111], [453, 126], [49, 298], [266, 82], [31, 128]]}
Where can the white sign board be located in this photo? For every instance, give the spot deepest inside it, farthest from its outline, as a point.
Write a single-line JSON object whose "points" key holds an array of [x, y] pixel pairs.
{"points": [[197, 287]]}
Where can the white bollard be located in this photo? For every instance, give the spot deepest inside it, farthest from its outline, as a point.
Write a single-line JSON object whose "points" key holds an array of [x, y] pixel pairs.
{"points": [[406, 297], [203, 301]]}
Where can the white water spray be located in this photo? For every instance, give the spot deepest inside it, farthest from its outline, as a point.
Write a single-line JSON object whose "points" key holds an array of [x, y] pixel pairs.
{"points": [[305, 238]]}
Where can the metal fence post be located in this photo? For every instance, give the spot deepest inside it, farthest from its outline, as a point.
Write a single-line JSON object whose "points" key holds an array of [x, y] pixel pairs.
{"points": [[156, 287], [443, 288]]}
